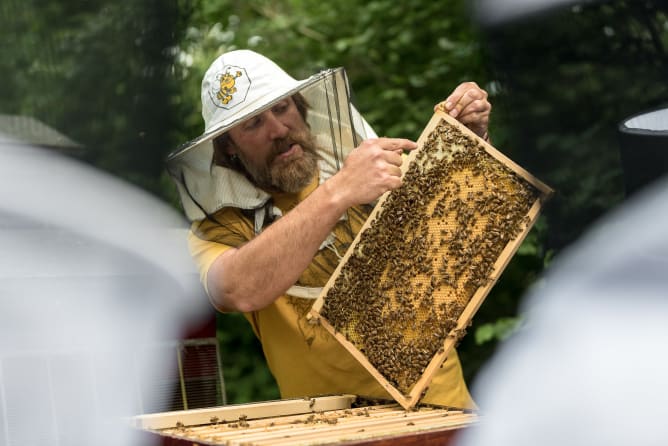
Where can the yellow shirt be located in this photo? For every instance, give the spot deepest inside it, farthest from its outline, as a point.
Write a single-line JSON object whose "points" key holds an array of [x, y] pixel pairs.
{"points": [[305, 359]]}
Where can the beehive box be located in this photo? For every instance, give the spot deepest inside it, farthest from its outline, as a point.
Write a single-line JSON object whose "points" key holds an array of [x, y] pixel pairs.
{"points": [[428, 255], [331, 420]]}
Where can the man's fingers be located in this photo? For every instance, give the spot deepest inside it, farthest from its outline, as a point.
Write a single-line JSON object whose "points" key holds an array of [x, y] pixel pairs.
{"points": [[462, 96], [394, 158], [477, 111], [472, 100], [392, 144], [395, 171]]}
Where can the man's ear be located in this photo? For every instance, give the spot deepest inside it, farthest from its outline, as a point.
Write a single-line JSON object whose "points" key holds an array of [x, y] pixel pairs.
{"points": [[224, 150], [230, 147]]}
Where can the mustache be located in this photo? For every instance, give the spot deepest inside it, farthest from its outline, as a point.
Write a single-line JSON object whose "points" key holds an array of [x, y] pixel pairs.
{"points": [[304, 139]]}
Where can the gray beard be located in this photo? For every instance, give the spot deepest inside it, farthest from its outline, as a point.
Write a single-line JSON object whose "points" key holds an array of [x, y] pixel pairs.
{"points": [[291, 176], [297, 175]]}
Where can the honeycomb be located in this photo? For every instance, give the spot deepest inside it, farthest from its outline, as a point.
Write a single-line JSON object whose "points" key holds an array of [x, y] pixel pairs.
{"points": [[428, 255]]}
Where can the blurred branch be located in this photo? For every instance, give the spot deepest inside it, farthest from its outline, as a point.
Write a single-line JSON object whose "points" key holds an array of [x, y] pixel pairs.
{"points": [[648, 17], [270, 13]]}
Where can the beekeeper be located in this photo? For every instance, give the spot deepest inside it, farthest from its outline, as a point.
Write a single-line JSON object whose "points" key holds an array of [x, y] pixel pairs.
{"points": [[276, 189]]}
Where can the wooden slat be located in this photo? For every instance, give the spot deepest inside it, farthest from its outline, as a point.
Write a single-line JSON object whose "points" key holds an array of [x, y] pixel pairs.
{"points": [[367, 430], [234, 412]]}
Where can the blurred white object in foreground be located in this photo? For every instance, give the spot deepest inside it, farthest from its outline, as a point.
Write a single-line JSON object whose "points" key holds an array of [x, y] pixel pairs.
{"points": [[590, 369], [94, 274]]}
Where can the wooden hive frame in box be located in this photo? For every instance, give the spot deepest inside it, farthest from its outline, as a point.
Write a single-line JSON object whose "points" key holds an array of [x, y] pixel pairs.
{"points": [[306, 422], [429, 253]]}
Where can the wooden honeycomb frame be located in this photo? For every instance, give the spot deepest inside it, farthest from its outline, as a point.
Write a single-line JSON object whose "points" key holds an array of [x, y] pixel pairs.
{"points": [[428, 255]]}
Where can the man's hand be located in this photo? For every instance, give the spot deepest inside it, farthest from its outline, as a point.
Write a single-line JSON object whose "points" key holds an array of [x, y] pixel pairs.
{"points": [[370, 170], [469, 105]]}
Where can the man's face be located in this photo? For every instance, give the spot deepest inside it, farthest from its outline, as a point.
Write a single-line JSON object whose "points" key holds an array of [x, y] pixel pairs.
{"points": [[276, 148]]}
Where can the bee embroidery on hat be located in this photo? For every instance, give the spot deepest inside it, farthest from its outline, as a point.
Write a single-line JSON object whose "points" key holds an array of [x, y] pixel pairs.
{"points": [[230, 87]]}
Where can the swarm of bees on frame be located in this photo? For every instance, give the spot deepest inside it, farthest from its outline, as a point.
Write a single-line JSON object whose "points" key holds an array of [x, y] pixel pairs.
{"points": [[432, 244]]}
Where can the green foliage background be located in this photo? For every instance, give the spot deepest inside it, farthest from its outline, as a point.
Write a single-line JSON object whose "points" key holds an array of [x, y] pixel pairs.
{"points": [[123, 79]]}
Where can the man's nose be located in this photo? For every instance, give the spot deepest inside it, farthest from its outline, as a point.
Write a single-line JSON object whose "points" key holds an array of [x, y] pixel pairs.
{"points": [[276, 127]]}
